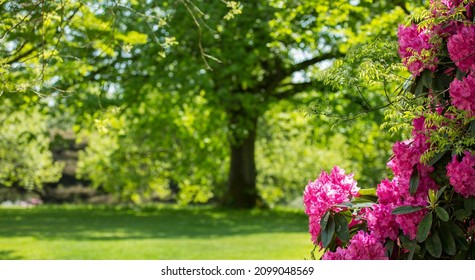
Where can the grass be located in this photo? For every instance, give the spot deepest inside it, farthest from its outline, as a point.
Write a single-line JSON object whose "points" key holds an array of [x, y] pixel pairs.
{"points": [[155, 233]]}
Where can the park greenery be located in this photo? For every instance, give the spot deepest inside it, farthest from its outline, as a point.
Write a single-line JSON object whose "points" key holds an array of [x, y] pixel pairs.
{"points": [[238, 104], [232, 102]]}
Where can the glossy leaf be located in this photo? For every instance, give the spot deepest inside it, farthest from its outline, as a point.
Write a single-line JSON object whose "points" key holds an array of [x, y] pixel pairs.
{"points": [[472, 128], [442, 214], [460, 239], [460, 74], [427, 78], [434, 245], [414, 181], [389, 246], [328, 232], [447, 240], [440, 192], [436, 158], [324, 220], [424, 227], [341, 225], [406, 209]]}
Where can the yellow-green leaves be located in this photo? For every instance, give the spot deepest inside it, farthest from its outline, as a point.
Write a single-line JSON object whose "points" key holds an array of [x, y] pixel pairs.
{"points": [[235, 8], [133, 37]]}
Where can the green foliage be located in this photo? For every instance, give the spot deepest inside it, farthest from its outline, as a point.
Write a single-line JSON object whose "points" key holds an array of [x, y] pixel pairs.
{"points": [[291, 150], [137, 154], [164, 89], [25, 158]]}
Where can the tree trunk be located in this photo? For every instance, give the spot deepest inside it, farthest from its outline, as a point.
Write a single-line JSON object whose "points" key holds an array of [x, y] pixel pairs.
{"points": [[242, 190]]}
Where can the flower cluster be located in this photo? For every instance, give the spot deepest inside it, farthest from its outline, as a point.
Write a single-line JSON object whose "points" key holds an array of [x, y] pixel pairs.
{"points": [[415, 49], [361, 247], [462, 174], [463, 94], [382, 223], [461, 48], [405, 163], [451, 3], [326, 192]]}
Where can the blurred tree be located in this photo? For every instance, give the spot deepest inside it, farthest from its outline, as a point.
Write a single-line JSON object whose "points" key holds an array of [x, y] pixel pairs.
{"points": [[275, 51], [183, 71], [25, 159]]}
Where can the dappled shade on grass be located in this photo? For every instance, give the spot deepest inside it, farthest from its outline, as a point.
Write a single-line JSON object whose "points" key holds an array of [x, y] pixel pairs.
{"points": [[81, 232]]}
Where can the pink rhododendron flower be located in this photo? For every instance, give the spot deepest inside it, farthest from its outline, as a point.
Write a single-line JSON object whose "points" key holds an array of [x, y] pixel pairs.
{"points": [[412, 42], [387, 192], [407, 155], [461, 48], [463, 93], [462, 174], [325, 192], [382, 223], [339, 254], [409, 222], [362, 246], [393, 194], [452, 3]]}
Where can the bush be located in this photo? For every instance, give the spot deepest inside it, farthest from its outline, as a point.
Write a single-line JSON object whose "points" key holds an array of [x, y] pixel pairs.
{"points": [[426, 211]]}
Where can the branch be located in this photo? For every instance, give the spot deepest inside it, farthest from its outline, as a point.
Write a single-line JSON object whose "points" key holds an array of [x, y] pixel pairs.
{"points": [[402, 5], [295, 89], [306, 63]]}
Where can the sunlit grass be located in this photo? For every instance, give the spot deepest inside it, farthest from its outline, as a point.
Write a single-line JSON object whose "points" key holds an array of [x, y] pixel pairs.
{"points": [[82, 232]]}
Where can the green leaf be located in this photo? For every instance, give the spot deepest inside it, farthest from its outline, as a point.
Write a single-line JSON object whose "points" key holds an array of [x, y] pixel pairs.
{"points": [[440, 192], [469, 203], [448, 241], [328, 232], [371, 191], [460, 74], [408, 244], [345, 204], [412, 249], [389, 247], [433, 245], [342, 230], [406, 209], [427, 78], [457, 233], [363, 204], [436, 158], [363, 199], [324, 220], [417, 86], [414, 181], [442, 214], [461, 255], [461, 214], [441, 82], [472, 128], [424, 227]]}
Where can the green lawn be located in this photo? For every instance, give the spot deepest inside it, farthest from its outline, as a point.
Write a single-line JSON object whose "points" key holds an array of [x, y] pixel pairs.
{"points": [[82, 232]]}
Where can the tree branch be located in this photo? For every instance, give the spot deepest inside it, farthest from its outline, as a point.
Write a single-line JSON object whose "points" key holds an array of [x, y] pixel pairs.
{"points": [[295, 89], [314, 60]]}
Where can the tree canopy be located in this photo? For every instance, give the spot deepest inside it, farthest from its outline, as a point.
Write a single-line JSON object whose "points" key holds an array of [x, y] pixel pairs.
{"points": [[176, 90]]}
